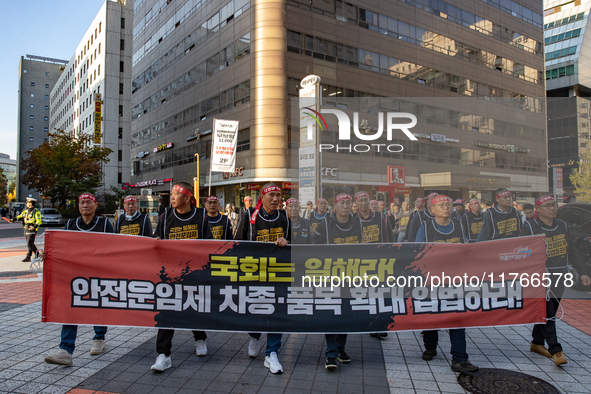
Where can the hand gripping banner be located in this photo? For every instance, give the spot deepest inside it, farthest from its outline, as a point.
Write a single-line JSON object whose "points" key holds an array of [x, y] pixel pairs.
{"points": [[122, 280]]}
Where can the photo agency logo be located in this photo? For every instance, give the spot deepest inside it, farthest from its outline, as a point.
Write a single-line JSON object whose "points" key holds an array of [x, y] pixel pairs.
{"points": [[389, 123]]}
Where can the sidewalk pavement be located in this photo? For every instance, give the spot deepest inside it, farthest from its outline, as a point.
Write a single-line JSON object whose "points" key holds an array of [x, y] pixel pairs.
{"points": [[393, 365]]}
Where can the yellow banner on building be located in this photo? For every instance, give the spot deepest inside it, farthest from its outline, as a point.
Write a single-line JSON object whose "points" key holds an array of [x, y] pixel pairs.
{"points": [[97, 121]]}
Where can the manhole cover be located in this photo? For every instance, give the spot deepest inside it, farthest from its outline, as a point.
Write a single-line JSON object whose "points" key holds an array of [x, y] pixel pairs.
{"points": [[501, 381]]}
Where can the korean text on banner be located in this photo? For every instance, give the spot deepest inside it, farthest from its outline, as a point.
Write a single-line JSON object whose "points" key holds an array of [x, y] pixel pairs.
{"points": [[225, 137]]}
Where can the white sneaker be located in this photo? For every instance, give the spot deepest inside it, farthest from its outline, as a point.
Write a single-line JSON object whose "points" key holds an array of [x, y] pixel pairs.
{"points": [[60, 357], [201, 348], [254, 347], [98, 345], [272, 363], [162, 363]]}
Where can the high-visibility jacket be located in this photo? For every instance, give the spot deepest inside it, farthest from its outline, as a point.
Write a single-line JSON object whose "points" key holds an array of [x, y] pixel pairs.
{"points": [[30, 217]]}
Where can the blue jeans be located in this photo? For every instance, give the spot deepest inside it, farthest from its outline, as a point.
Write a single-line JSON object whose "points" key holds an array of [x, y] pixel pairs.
{"points": [[335, 344], [273, 342], [401, 236], [69, 333], [458, 343]]}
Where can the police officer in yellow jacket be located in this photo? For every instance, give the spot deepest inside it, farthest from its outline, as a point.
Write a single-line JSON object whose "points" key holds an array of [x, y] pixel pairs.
{"points": [[31, 221]]}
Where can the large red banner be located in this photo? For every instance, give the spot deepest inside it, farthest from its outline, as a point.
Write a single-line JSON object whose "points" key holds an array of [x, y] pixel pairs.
{"points": [[122, 280]]}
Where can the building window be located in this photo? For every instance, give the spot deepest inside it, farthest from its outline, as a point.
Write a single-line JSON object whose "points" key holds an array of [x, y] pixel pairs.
{"points": [[120, 110], [31, 117], [47, 85], [99, 69], [31, 139], [123, 23], [32, 94], [25, 71], [46, 107], [122, 44], [32, 105], [99, 48], [31, 128], [45, 129], [120, 133], [32, 83], [100, 24], [120, 88], [120, 155], [119, 178], [47, 74], [121, 66], [45, 118], [46, 97]]}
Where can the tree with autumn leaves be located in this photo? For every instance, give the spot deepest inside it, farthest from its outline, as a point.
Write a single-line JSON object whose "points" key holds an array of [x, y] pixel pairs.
{"points": [[64, 167], [581, 178]]}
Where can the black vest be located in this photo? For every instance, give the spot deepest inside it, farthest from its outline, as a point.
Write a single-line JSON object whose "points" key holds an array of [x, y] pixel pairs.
{"points": [[474, 225], [219, 228], [433, 235], [300, 232], [505, 224], [343, 233], [177, 228], [404, 220], [372, 228], [98, 225], [270, 230], [314, 220], [135, 226], [556, 241]]}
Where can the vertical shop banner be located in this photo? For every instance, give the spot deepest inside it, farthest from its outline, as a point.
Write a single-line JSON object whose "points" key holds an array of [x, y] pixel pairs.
{"points": [[223, 148], [97, 121], [260, 287]]}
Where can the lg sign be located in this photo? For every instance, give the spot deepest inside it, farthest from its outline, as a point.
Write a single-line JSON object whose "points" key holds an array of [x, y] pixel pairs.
{"points": [[392, 124]]}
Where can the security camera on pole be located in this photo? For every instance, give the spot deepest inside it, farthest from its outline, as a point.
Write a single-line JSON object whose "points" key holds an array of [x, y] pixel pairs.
{"points": [[310, 161]]}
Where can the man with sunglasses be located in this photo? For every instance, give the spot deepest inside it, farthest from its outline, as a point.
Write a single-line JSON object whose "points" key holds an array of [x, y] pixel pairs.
{"points": [[560, 251], [502, 220], [443, 229]]}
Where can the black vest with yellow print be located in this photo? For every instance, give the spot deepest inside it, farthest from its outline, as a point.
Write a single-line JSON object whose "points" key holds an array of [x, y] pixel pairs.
{"points": [[138, 225], [333, 232], [556, 241], [505, 224], [269, 228], [473, 224], [372, 228], [456, 236], [183, 226], [301, 232], [314, 219], [219, 227]]}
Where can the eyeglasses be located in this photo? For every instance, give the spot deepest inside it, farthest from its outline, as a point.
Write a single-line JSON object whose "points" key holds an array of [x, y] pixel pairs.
{"points": [[549, 206], [443, 205]]}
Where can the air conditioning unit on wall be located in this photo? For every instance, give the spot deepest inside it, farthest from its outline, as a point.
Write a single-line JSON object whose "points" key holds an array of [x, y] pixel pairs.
{"points": [[146, 192]]}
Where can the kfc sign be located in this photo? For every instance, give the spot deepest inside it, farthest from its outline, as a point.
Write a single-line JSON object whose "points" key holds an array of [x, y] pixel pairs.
{"points": [[396, 176], [236, 172]]}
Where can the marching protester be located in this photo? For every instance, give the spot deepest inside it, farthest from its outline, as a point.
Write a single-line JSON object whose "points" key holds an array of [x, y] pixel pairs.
{"points": [[472, 221], [403, 218], [443, 229], [528, 213], [393, 218], [354, 208], [267, 223], [219, 226], [309, 210], [560, 252], [301, 232], [319, 214], [87, 221], [183, 220], [419, 216], [133, 222], [231, 214], [340, 228], [240, 232], [31, 221], [502, 220], [458, 210], [373, 205]]}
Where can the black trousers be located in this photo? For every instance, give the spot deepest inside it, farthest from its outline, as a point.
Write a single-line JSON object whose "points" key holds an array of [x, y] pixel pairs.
{"points": [[31, 244], [547, 332], [164, 340]]}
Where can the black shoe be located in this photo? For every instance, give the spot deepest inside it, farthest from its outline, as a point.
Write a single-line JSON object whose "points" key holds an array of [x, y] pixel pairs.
{"points": [[463, 366], [374, 335], [27, 259], [383, 335], [331, 363], [344, 357], [429, 354]]}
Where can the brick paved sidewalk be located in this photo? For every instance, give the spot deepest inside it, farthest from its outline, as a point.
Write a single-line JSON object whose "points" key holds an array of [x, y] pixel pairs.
{"points": [[393, 365]]}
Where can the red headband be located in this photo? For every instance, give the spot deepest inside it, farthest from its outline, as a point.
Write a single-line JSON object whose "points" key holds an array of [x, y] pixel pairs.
{"points": [[459, 201], [182, 190], [421, 199], [292, 201], [432, 195], [87, 196], [212, 198], [543, 199], [321, 200], [474, 201], [270, 189], [247, 198], [129, 198], [360, 194], [342, 196], [503, 194], [373, 201], [438, 199]]}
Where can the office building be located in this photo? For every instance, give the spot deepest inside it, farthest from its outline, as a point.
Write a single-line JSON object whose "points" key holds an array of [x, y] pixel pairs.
{"points": [[194, 61], [92, 95], [37, 76]]}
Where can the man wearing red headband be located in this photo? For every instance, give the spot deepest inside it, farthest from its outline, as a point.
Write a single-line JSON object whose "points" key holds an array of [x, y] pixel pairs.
{"points": [[458, 211], [419, 216], [404, 217], [218, 226], [132, 221], [320, 213], [444, 229], [339, 228], [373, 205], [501, 221], [267, 224], [301, 233], [87, 221], [472, 221], [242, 225], [560, 252], [182, 220]]}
